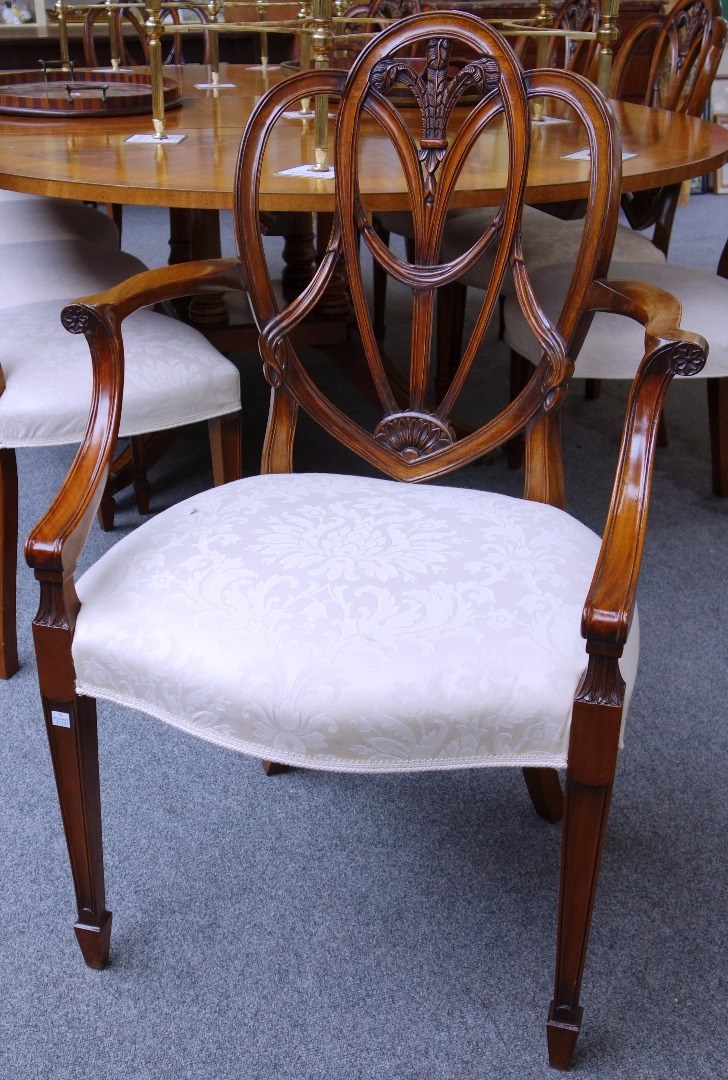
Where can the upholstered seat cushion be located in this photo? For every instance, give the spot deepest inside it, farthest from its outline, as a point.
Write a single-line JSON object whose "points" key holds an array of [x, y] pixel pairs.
{"points": [[547, 241], [30, 219], [614, 345], [46, 269], [348, 623], [172, 376]]}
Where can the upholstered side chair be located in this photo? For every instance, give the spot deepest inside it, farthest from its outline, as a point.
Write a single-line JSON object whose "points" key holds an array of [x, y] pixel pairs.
{"points": [[174, 377], [373, 625]]}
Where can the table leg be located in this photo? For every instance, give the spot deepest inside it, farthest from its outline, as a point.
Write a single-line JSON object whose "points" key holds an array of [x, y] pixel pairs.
{"points": [[209, 310], [299, 256]]}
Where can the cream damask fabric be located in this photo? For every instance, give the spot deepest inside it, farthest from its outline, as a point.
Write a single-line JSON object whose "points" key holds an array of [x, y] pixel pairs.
{"points": [[172, 376], [35, 218], [38, 270], [615, 344], [348, 623]]}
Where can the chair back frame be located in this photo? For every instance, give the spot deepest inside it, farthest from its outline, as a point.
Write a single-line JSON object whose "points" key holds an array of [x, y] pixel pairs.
{"points": [[415, 439]]}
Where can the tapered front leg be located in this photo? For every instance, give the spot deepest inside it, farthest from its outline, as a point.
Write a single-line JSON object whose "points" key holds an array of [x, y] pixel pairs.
{"points": [[588, 790], [8, 563], [71, 727]]}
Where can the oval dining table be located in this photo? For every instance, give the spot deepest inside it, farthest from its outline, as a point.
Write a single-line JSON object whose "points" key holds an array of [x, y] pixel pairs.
{"points": [[89, 158]]}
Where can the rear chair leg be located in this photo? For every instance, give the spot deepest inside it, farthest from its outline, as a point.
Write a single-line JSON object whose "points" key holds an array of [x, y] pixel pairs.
{"points": [[274, 768], [72, 737], [544, 787], [226, 448], [718, 424], [592, 760], [8, 563]]}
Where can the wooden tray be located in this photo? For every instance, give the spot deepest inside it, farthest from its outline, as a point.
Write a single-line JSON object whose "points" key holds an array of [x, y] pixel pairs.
{"points": [[82, 92]]}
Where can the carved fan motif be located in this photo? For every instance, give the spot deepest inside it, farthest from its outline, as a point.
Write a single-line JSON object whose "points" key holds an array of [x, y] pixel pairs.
{"points": [[414, 435]]}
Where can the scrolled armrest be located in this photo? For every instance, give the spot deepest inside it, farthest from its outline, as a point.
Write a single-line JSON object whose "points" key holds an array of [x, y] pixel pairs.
{"points": [[58, 539], [155, 286], [669, 351]]}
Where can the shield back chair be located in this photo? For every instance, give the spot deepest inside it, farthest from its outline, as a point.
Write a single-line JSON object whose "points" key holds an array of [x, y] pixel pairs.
{"points": [[607, 349], [128, 26], [570, 55], [174, 377], [687, 44], [690, 43], [350, 623], [133, 19]]}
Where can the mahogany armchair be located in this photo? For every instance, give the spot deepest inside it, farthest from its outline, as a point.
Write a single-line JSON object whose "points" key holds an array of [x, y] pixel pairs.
{"points": [[377, 625]]}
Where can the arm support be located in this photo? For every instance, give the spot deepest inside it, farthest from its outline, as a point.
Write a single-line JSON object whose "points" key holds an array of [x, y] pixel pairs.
{"points": [[668, 351], [56, 542]]}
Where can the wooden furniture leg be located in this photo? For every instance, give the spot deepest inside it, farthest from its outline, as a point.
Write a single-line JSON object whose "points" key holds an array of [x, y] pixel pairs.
{"points": [[592, 760], [130, 468], [379, 282], [180, 235], [8, 563], [226, 448], [521, 372], [450, 318], [72, 737], [209, 310], [336, 301], [299, 256], [544, 787], [274, 768], [592, 389], [718, 425]]}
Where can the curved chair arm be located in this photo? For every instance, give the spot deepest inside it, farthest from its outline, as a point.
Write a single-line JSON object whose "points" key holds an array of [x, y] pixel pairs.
{"points": [[57, 540], [668, 351]]}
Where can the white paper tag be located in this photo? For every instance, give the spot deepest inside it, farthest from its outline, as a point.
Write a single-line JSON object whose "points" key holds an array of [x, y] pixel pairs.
{"points": [[60, 719], [309, 171], [154, 139], [215, 85], [263, 67], [291, 115], [584, 155], [549, 120]]}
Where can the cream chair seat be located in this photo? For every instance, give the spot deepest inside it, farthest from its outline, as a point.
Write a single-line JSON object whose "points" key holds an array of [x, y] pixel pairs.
{"points": [[50, 269], [34, 217], [547, 241], [607, 352], [172, 377], [338, 621]]}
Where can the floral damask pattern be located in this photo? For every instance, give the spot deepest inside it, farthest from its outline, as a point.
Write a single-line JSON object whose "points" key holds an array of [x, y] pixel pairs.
{"points": [[172, 376], [348, 623]]}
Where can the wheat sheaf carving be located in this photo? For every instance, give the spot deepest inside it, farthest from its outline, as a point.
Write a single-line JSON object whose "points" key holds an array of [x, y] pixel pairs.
{"points": [[435, 94]]}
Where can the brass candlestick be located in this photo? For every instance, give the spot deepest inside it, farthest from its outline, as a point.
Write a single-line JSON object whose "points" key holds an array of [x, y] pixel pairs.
{"points": [[155, 29], [322, 41], [607, 34]]}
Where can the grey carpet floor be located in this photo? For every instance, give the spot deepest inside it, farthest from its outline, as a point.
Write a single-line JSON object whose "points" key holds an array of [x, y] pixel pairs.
{"points": [[315, 925]]}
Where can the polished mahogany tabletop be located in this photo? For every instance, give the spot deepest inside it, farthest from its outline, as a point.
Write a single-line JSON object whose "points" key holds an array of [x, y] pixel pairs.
{"points": [[90, 159]]}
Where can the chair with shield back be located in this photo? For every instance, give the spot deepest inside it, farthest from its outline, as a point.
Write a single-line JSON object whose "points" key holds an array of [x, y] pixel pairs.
{"points": [[606, 353], [373, 625], [689, 43]]}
